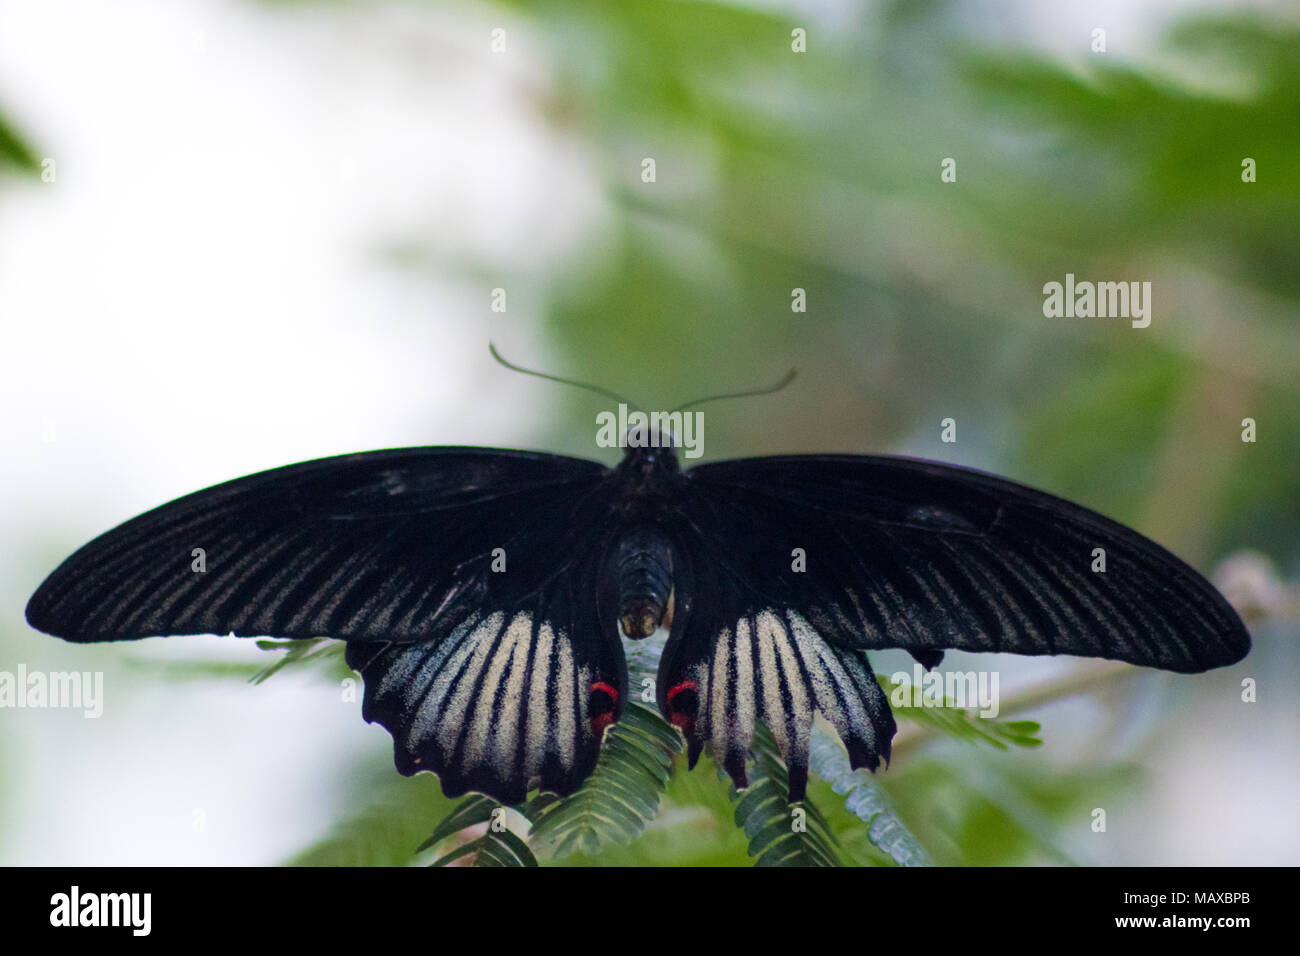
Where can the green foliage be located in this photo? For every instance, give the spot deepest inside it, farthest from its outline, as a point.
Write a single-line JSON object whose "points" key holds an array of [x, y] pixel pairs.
{"points": [[472, 810], [383, 819], [958, 722], [965, 808], [1101, 405], [326, 654], [780, 833], [495, 848], [14, 151], [621, 796], [314, 649], [498, 845], [866, 800]]}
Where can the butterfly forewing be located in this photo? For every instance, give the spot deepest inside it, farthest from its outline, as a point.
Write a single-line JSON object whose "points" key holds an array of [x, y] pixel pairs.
{"points": [[926, 556], [465, 580], [383, 545]]}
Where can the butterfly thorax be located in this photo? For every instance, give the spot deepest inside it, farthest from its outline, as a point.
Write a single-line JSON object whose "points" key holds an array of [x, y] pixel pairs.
{"points": [[649, 453], [646, 486]]}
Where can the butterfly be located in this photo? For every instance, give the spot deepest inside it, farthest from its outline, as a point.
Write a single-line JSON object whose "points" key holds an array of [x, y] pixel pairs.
{"points": [[484, 594]]}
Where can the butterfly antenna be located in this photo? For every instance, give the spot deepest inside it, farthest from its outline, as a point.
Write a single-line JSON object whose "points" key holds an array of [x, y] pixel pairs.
{"points": [[555, 378], [766, 390]]}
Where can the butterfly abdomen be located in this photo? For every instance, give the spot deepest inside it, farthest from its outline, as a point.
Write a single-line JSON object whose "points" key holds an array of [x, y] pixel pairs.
{"points": [[643, 564]]}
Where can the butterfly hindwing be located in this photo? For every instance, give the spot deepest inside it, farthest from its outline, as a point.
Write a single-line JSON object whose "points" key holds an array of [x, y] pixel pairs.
{"points": [[509, 699], [733, 659]]}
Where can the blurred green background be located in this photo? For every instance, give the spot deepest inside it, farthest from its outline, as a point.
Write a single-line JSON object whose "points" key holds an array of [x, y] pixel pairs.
{"points": [[778, 170]]}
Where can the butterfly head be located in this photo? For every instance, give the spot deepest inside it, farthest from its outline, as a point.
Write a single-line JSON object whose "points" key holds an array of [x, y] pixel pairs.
{"points": [[648, 451]]}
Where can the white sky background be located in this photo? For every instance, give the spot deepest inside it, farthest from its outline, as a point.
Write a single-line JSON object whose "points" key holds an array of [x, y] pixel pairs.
{"points": [[200, 295]]}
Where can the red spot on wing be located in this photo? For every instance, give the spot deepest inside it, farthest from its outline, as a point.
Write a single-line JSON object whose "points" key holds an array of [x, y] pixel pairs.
{"points": [[605, 716], [678, 688], [685, 719]]}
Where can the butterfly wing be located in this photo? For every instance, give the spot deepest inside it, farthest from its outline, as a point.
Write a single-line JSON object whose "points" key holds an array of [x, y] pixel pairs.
{"points": [[465, 581], [736, 656], [515, 696], [829, 556], [926, 556], [376, 546]]}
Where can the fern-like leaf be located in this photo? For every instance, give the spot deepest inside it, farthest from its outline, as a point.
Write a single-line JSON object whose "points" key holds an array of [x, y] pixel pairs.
{"points": [[297, 652], [866, 800], [910, 703], [780, 833], [493, 848], [497, 846], [470, 811], [620, 797]]}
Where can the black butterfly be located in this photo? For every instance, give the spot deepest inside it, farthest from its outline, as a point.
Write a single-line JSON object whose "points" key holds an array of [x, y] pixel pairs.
{"points": [[482, 593]]}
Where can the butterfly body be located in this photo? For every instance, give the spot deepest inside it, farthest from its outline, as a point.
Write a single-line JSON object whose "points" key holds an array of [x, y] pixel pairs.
{"points": [[484, 593], [643, 562]]}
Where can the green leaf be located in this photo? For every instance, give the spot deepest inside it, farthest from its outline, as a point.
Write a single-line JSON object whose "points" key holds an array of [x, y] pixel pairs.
{"points": [[465, 849], [971, 811], [388, 824], [780, 833], [494, 848], [959, 723], [14, 151], [474, 809], [504, 849], [298, 652], [866, 800], [621, 796]]}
